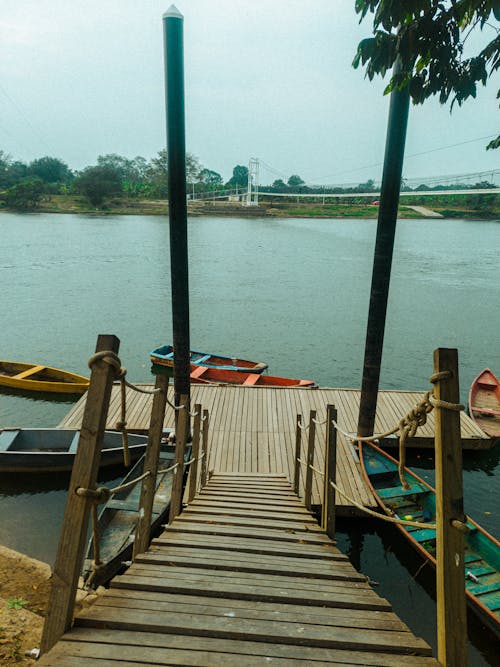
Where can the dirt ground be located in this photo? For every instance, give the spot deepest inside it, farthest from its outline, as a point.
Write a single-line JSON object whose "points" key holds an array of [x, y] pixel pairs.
{"points": [[24, 590]]}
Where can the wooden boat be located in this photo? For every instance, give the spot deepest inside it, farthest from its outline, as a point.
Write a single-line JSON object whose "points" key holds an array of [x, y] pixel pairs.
{"points": [[33, 377], [418, 503], [118, 518], [204, 375], [484, 403], [54, 449], [165, 357]]}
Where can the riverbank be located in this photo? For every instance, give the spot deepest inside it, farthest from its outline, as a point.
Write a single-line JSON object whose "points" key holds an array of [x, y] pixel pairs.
{"points": [[472, 208], [24, 590]]}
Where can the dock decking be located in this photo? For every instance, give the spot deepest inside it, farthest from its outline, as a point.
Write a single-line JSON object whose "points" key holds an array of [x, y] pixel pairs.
{"points": [[243, 577], [252, 429]]}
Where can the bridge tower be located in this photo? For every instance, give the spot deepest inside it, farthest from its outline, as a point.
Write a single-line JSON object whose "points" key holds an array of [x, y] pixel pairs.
{"points": [[253, 182]]}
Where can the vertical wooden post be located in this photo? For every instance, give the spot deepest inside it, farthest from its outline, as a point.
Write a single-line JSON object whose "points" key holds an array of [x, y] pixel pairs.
{"points": [[142, 530], [328, 515], [173, 31], [204, 448], [298, 444], [195, 453], [310, 459], [450, 571], [73, 538], [382, 261], [181, 430]]}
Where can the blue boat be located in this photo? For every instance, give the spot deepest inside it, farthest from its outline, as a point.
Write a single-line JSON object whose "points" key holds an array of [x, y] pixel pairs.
{"points": [[164, 356], [418, 503]]}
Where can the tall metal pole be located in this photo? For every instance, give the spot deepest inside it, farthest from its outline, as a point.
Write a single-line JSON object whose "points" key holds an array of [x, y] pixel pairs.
{"points": [[384, 245], [176, 147]]}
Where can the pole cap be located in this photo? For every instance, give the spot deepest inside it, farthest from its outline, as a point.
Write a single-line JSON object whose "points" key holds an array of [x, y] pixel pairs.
{"points": [[173, 13]]}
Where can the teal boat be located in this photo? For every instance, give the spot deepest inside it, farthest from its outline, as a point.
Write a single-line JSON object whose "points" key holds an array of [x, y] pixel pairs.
{"points": [[418, 503], [164, 356]]}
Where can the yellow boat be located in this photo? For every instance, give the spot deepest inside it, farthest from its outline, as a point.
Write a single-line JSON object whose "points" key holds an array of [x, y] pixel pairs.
{"points": [[32, 377]]}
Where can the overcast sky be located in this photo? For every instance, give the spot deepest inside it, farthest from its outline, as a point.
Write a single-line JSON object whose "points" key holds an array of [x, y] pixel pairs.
{"points": [[264, 78]]}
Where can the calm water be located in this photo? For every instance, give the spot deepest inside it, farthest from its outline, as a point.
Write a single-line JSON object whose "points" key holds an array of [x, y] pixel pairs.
{"points": [[291, 292]]}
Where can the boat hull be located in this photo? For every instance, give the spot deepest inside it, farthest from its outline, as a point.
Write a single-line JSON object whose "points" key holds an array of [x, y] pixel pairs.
{"points": [[484, 403], [204, 375], [164, 356], [482, 550], [32, 377], [118, 518], [54, 450]]}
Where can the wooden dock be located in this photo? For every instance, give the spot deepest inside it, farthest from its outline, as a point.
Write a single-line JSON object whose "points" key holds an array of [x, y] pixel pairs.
{"points": [[243, 577], [252, 429]]}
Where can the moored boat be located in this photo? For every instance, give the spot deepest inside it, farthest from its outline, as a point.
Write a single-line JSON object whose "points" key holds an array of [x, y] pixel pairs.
{"points": [[484, 403], [54, 449], [418, 503], [35, 377], [204, 375], [165, 357], [118, 518]]}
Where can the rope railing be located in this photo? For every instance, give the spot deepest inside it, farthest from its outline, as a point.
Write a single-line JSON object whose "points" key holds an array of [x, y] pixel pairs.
{"points": [[406, 427]]}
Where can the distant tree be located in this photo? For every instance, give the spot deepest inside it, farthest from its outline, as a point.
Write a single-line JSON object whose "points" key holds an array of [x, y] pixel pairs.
{"points": [[239, 177], [50, 170], [483, 185], [24, 196], [98, 183], [193, 168], [11, 173], [279, 185], [428, 36], [369, 186], [210, 178], [422, 188], [157, 174], [295, 181]]}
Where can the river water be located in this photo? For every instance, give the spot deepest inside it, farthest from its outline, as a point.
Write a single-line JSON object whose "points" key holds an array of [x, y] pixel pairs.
{"points": [[292, 292]]}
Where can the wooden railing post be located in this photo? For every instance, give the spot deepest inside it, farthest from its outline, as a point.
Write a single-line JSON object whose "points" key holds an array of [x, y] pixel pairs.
{"points": [[181, 431], [450, 572], [143, 528], [204, 449], [195, 453], [310, 459], [73, 538], [328, 514], [298, 444]]}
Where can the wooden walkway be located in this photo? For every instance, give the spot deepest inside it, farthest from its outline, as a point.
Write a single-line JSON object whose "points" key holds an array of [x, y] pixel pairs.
{"points": [[252, 429], [243, 577]]}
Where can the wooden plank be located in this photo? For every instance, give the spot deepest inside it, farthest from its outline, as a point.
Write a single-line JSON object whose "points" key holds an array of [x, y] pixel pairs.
{"points": [[241, 652], [221, 519], [233, 565], [189, 527], [298, 549], [237, 628], [241, 608]]}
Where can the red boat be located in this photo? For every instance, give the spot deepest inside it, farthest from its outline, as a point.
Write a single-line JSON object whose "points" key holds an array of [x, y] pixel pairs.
{"points": [[205, 375], [484, 403]]}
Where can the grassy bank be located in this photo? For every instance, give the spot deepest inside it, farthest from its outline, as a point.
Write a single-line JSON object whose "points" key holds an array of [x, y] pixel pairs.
{"points": [[473, 207]]}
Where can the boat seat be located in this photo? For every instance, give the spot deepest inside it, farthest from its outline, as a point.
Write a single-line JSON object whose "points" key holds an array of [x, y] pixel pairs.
{"points": [[30, 371], [198, 372], [487, 384], [483, 589], [486, 411], [6, 439], [252, 379], [396, 491], [423, 534], [74, 443], [127, 505]]}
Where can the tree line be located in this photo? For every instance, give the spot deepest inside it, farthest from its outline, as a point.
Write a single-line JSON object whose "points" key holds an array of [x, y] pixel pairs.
{"points": [[25, 185]]}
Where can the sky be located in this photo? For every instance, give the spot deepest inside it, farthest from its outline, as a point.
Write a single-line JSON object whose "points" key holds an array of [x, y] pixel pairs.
{"points": [[270, 79]]}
